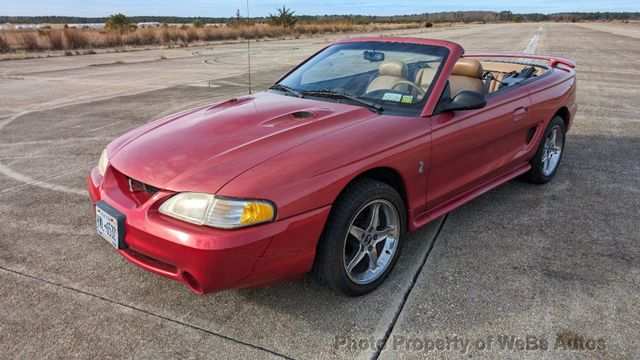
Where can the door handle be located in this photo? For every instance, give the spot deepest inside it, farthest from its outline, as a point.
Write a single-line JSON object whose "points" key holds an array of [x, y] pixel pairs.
{"points": [[518, 114]]}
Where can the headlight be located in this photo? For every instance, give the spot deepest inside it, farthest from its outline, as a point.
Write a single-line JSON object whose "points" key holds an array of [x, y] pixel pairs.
{"points": [[218, 212], [103, 163]]}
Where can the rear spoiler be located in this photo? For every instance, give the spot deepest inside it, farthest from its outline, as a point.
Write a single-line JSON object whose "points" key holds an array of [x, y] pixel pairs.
{"points": [[553, 60]]}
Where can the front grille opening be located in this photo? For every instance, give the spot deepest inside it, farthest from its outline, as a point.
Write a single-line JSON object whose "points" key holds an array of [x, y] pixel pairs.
{"points": [[132, 192], [138, 186]]}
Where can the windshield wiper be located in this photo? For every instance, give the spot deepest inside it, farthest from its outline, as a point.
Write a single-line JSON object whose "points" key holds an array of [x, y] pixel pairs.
{"points": [[338, 95], [286, 89]]}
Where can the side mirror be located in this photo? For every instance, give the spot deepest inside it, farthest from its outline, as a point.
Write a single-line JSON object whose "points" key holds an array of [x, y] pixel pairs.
{"points": [[464, 100]]}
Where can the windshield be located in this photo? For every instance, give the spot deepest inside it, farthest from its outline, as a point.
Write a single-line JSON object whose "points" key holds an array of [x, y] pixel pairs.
{"points": [[395, 76]]}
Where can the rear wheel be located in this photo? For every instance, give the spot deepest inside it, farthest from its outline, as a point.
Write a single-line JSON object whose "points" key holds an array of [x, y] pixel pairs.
{"points": [[546, 161], [361, 241]]}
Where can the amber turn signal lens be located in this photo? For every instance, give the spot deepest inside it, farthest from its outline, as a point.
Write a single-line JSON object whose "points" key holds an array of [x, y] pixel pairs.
{"points": [[256, 212]]}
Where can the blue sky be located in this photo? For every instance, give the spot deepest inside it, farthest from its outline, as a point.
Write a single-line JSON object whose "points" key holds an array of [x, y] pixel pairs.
{"points": [[220, 8]]}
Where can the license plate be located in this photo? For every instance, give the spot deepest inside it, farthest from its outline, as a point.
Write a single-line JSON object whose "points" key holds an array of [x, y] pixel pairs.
{"points": [[110, 224]]}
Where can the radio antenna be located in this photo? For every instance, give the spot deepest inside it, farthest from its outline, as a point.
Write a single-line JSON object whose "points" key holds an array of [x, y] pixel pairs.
{"points": [[249, 49]]}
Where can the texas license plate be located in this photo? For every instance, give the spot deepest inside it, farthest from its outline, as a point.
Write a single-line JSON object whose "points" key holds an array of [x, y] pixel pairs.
{"points": [[110, 224]]}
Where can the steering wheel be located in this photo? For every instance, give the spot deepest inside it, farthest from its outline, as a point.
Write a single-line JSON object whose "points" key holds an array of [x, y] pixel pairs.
{"points": [[410, 83]]}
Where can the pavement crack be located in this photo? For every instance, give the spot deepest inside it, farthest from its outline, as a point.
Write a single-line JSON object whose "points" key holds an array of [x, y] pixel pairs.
{"points": [[143, 311], [405, 297]]}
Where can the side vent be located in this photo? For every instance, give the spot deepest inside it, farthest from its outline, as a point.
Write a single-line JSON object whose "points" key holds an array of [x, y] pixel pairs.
{"points": [[530, 133]]}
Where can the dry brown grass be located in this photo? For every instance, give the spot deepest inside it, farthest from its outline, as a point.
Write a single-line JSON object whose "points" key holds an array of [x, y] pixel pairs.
{"points": [[29, 41], [4, 45], [74, 39], [56, 39]]}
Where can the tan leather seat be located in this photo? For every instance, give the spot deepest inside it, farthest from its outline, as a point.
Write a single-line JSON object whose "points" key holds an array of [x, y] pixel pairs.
{"points": [[390, 73], [495, 85], [424, 78], [466, 75]]}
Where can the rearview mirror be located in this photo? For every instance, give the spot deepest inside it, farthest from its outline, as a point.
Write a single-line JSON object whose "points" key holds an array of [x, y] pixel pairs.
{"points": [[373, 56], [464, 100]]}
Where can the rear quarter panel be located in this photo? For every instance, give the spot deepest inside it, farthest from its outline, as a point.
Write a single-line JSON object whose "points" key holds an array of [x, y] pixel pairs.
{"points": [[549, 95]]}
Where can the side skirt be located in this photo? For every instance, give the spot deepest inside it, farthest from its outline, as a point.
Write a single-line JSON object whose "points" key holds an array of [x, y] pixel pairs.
{"points": [[428, 216]]}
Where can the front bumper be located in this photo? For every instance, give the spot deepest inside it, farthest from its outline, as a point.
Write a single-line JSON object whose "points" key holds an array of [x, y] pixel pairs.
{"points": [[208, 259]]}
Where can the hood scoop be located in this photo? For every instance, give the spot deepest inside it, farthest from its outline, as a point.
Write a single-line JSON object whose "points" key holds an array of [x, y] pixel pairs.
{"points": [[229, 103], [297, 117], [302, 114]]}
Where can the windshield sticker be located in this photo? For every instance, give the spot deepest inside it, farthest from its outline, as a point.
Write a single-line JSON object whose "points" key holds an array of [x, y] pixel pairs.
{"points": [[407, 99], [392, 97]]}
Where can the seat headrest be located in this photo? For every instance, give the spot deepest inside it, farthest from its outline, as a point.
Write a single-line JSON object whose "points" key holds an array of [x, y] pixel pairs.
{"points": [[393, 68], [468, 67], [425, 76]]}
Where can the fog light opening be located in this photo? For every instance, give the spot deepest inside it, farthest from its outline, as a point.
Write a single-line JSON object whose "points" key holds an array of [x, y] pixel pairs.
{"points": [[192, 282]]}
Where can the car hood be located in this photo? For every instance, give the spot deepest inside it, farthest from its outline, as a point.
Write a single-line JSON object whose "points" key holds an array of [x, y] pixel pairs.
{"points": [[204, 148]]}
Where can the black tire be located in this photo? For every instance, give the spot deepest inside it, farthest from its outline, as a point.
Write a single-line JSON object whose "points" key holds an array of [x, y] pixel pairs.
{"points": [[537, 174], [329, 267]]}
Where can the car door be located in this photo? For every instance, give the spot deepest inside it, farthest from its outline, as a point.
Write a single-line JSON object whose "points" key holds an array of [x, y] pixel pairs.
{"points": [[471, 147]]}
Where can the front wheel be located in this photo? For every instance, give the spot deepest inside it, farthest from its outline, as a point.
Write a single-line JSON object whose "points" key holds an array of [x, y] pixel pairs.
{"points": [[546, 161], [362, 238]]}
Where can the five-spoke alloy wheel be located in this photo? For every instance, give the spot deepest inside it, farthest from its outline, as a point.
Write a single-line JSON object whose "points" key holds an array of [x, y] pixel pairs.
{"points": [[546, 161], [362, 238], [371, 242], [552, 150]]}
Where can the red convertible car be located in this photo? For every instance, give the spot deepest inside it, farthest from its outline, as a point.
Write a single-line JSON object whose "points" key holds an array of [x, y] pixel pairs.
{"points": [[327, 169]]}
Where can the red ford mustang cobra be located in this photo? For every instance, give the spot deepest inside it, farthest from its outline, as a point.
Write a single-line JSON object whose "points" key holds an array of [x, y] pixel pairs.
{"points": [[327, 169]]}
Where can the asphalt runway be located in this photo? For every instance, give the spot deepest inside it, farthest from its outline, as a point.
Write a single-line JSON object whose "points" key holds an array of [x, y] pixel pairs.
{"points": [[543, 262]]}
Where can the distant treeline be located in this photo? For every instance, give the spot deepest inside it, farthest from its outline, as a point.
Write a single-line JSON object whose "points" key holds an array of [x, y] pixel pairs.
{"points": [[91, 20], [453, 16], [468, 16]]}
